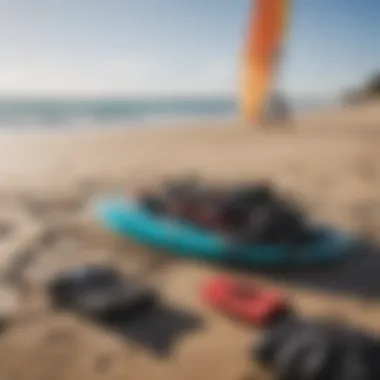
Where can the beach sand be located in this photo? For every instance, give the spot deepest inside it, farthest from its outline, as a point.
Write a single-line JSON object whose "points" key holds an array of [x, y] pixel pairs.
{"points": [[330, 161]]}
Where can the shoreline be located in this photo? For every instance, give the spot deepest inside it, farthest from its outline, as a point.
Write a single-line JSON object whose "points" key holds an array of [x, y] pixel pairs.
{"points": [[305, 119], [46, 114]]}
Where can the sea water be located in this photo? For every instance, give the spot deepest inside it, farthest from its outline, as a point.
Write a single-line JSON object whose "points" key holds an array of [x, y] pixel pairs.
{"points": [[54, 113]]}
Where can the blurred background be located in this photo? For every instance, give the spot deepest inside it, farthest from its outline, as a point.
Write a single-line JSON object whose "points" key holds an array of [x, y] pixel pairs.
{"points": [[70, 64]]}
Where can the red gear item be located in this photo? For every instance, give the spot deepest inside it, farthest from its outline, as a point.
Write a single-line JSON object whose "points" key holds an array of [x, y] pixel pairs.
{"points": [[245, 301]]}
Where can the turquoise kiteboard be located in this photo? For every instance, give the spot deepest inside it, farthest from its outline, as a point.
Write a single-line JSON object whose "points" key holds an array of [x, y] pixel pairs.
{"points": [[127, 218]]}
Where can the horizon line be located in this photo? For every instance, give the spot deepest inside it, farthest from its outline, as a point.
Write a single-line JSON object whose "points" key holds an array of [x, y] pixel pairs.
{"points": [[173, 96]]}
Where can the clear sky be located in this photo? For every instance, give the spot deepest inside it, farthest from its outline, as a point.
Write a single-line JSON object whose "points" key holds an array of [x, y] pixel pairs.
{"points": [[149, 47]]}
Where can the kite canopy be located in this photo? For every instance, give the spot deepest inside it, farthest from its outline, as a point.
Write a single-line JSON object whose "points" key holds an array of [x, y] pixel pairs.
{"points": [[266, 33]]}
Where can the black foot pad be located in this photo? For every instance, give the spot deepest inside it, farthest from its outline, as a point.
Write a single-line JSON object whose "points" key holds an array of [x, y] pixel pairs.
{"points": [[123, 306]]}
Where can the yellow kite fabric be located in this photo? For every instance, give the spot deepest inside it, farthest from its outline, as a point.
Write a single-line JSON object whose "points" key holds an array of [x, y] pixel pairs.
{"points": [[266, 33]]}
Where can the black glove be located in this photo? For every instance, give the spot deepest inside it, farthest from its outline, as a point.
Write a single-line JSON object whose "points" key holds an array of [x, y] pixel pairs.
{"points": [[300, 350]]}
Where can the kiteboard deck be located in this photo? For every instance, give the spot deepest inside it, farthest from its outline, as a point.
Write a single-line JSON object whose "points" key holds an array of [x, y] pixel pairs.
{"points": [[127, 218]]}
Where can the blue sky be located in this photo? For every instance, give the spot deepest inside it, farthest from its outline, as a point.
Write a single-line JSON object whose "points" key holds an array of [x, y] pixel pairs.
{"points": [[151, 47]]}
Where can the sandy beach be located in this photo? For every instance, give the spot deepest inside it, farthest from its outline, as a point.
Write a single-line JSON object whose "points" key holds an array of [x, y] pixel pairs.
{"points": [[330, 161]]}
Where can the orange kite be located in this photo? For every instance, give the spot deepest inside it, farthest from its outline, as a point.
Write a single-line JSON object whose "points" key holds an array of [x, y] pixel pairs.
{"points": [[265, 37]]}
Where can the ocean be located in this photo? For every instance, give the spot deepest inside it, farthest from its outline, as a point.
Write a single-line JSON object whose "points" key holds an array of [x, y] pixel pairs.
{"points": [[21, 114]]}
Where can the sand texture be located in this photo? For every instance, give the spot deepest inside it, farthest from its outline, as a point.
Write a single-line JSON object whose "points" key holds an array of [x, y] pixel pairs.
{"points": [[330, 161]]}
